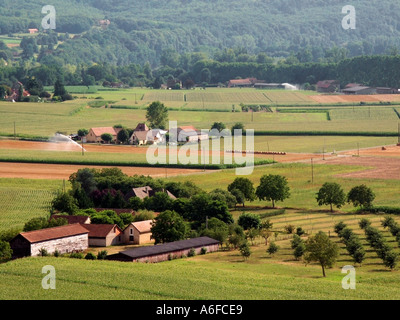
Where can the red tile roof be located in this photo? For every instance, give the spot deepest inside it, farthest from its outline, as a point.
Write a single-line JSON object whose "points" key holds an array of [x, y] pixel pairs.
{"points": [[143, 226], [101, 230], [54, 233], [99, 131]]}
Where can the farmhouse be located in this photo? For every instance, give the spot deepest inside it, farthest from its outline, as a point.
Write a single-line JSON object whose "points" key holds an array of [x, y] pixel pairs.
{"points": [[190, 134], [328, 86], [241, 83], [138, 232], [94, 134], [104, 235], [144, 192], [72, 219], [69, 238], [359, 90], [140, 135], [33, 31], [163, 252]]}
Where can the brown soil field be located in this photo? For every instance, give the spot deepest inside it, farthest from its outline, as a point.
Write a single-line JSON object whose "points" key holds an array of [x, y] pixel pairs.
{"points": [[60, 172], [378, 163]]}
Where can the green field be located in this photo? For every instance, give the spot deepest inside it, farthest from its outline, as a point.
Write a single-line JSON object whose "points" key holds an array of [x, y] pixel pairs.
{"points": [[222, 275], [200, 108]]}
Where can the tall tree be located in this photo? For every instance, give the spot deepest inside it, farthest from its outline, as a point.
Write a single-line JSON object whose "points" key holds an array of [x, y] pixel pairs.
{"points": [[331, 193], [273, 188], [157, 115], [169, 226]]}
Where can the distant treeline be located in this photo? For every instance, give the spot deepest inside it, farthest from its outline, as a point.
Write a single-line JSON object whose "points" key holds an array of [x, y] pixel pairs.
{"points": [[379, 70]]}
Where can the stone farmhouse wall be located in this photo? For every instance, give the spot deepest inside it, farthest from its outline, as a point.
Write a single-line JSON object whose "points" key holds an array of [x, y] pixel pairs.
{"points": [[63, 245]]}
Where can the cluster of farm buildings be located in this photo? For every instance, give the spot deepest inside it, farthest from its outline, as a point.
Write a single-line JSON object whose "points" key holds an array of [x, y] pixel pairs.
{"points": [[333, 86], [143, 135], [80, 234]]}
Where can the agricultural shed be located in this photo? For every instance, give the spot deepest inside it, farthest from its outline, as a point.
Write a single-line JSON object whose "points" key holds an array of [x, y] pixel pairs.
{"points": [[104, 235], [359, 90], [138, 232], [72, 219], [382, 90], [163, 252], [190, 134], [68, 238]]}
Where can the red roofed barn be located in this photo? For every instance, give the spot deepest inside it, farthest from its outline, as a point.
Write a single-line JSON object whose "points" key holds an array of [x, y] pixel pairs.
{"points": [[68, 238]]}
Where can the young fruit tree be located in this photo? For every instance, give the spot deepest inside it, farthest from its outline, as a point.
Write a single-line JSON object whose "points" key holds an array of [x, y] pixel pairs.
{"points": [[321, 249]]}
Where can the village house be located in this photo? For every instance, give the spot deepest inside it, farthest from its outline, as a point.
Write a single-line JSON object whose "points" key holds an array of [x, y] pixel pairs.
{"points": [[138, 232], [33, 31], [94, 135], [164, 252], [104, 235], [328, 86], [140, 135], [144, 192], [65, 239]]}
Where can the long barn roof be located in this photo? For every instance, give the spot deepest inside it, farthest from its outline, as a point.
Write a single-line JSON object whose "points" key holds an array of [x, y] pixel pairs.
{"points": [[54, 233], [168, 247]]}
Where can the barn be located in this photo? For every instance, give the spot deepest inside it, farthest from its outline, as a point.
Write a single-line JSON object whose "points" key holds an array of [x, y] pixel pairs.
{"points": [[104, 235], [68, 238], [138, 232], [164, 252]]}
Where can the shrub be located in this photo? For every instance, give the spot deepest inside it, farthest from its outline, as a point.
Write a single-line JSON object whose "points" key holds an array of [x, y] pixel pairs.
{"points": [[364, 223], [295, 241], [245, 250], [299, 251], [76, 255], [192, 252], [273, 248], [101, 255], [43, 252], [90, 256], [391, 259], [339, 227], [359, 255], [289, 228], [203, 250], [56, 253], [300, 231], [5, 251], [345, 234]]}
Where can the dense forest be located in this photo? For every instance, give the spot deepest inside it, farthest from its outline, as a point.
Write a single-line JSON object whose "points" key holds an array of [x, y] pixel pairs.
{"points": [[140, 30], [201, 41]]}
